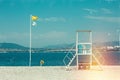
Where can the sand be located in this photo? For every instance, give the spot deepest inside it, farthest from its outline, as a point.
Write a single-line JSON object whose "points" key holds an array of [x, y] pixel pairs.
{"points": [[59, 73]]}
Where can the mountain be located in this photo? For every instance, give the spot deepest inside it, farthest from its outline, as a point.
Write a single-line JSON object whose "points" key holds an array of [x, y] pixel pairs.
{"points": [[60, 46], [11, 46], [71, 45], [112, 43]]}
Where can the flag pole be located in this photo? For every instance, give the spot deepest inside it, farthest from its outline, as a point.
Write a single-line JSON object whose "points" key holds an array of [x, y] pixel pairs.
{"points": [[118, 32], [30, 41]]}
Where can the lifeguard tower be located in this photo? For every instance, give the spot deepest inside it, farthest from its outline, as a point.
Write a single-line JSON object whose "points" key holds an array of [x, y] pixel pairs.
{"points": [[81, 53], [84, 49]]}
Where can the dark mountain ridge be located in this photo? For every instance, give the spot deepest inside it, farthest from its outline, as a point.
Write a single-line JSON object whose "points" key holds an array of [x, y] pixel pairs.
{"points": [[58, 46], [11, 46]]}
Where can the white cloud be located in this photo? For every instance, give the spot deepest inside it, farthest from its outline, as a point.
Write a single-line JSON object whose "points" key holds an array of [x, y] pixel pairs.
{"points": [[38, 39], [91, 11], [107, 19], [106, 11], [53, 35], [53, 19], [110, 0], [101, 10], [50, 38], [15, 37]]}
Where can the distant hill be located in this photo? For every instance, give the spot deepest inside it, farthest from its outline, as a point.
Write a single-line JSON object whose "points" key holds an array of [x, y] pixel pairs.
{"points": [[60, 46], [11, 46], [112, 43]]}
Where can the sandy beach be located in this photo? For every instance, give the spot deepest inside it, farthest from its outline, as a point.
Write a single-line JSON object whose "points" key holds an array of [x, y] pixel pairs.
{"points": [[58, 73]]}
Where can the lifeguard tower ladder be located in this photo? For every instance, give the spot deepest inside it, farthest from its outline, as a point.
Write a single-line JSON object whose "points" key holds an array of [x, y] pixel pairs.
{"points": [[84, 50]]}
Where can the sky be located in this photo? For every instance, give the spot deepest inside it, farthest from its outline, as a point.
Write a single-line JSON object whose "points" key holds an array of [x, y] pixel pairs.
{"points": [[58, 21]]}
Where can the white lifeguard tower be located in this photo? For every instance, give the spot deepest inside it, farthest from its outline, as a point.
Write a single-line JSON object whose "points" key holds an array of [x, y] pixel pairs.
{"points": [[84, 49], [82, 52]]}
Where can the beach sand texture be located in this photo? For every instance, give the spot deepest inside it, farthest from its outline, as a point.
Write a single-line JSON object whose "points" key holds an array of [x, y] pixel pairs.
{"points": [[58, 73]]}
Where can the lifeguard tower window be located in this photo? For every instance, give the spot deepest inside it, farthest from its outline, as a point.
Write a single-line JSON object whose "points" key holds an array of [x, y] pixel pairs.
{"points": [[84, 49]]}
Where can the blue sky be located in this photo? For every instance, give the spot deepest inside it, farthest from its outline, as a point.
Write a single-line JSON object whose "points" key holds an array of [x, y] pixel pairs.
{"points": [[58, 20]]}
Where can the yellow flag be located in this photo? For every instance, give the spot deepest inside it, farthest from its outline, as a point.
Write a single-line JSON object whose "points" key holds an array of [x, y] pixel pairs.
{"points": [[34, 18]]}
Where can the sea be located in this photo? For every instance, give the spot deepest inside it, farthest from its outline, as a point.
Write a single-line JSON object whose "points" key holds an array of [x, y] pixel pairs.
{"points": [[50, 59]]}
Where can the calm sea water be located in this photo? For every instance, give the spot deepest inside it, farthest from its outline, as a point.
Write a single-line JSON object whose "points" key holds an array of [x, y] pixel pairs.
{"points": [[50, 59], [22, 59]]}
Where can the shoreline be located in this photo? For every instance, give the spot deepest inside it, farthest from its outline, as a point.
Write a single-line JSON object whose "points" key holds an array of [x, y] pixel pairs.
{"points": [[58, 73]]}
